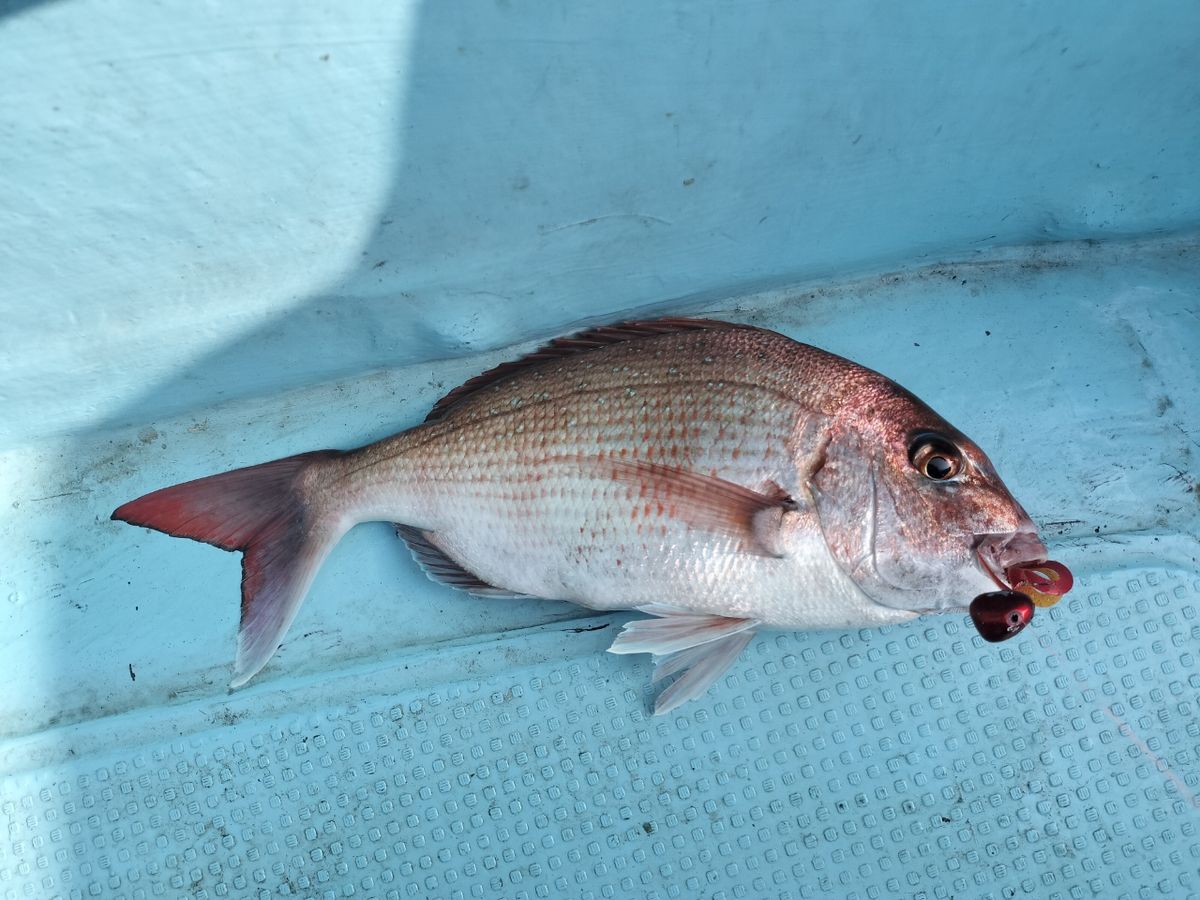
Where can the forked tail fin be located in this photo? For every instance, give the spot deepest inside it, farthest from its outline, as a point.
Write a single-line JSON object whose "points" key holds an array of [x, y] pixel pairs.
{"points": [[268, 513]]}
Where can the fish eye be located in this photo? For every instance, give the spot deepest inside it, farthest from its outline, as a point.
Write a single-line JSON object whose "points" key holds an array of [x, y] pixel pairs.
{"points": [[935, 457]]}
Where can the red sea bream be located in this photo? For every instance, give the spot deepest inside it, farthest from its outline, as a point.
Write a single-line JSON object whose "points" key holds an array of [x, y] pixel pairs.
{"points": [[721, 478]]}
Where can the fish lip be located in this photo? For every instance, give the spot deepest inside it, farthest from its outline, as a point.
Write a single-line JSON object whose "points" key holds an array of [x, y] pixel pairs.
{"points": [[989, 571], [997, 553]]}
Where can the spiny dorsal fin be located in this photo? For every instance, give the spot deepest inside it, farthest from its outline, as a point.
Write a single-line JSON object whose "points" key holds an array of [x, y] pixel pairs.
{"points": [[582, 342]]}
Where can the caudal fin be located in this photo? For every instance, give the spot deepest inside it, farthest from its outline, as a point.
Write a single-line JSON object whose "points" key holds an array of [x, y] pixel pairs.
{"points": [[265, 512]]}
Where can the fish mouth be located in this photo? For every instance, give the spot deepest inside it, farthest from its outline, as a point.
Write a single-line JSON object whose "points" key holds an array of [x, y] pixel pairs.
{"points": [[1017, 561]]}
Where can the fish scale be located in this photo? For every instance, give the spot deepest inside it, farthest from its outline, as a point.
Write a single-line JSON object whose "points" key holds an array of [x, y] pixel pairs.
{"points": [[720, 478], [517, 473]]}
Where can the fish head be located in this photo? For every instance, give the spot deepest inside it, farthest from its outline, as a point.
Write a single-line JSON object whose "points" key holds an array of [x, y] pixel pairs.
{"points": [[914, 511]]}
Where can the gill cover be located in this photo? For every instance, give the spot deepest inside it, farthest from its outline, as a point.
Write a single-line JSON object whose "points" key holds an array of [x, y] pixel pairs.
{"points": [[853, 511], [901, 537]]}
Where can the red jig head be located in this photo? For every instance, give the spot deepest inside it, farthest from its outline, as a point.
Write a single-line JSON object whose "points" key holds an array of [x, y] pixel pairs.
{"points": [[999, 615]]}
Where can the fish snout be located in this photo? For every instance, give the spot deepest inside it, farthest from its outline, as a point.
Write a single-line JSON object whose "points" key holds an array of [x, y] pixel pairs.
{"points": [[1023, 546]]}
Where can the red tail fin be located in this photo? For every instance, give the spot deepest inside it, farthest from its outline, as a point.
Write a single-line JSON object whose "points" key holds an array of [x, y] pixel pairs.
{"points": [[265, 512]]}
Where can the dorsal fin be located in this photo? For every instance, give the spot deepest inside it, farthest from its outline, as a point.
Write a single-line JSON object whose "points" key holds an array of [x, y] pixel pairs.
{"points": [[582, 342]]}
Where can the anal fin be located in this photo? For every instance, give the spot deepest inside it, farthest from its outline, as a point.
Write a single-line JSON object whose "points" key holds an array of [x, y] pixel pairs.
{"points": [[441, 568]]}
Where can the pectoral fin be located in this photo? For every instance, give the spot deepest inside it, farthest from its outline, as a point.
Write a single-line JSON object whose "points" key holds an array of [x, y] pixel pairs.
{"points": [[701, 646], [711, 504]]}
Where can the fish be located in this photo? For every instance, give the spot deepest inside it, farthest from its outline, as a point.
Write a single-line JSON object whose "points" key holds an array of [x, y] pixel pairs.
{"points": [[720, 478]]}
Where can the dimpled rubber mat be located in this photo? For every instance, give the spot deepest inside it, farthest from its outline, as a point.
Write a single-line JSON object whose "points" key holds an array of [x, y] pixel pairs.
{"points": [[915, 761]]}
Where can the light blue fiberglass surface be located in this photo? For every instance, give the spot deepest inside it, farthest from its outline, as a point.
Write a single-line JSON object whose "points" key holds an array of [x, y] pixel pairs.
{"points": [[232, 233]]}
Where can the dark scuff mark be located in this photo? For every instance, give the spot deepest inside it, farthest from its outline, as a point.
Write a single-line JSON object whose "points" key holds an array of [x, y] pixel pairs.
{"points": [[1188, 436], [582, 628], [1065, 523], [56, 496], [132, 674], [1181, 477]]}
